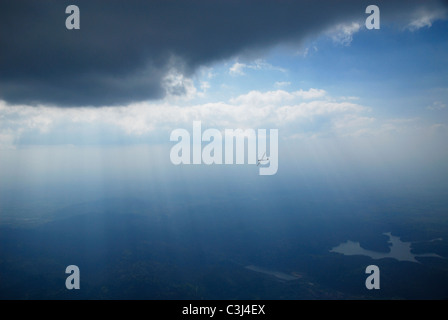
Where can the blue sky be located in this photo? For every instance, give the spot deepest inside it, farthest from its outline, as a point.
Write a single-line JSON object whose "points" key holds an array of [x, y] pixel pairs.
{"points": [[399, 71], [343, 97]]}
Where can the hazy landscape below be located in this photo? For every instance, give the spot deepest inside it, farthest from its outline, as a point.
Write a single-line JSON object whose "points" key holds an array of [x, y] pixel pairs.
{"points": [[192, 233]]}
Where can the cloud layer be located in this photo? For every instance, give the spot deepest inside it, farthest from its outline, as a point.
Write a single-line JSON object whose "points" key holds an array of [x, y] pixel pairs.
{"points": [[125, 52], [302, 114]]}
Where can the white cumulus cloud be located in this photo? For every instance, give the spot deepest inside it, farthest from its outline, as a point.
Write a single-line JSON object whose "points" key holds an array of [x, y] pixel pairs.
{"points": [[425, 18], [343, 33]]}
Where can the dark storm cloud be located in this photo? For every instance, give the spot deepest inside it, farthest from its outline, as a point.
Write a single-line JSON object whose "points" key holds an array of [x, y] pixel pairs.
{"points": [[124, 49]]}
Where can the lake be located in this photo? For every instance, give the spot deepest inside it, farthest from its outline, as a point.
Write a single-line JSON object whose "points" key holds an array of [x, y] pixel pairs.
{"points": [[399, 250]]}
